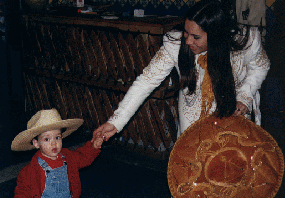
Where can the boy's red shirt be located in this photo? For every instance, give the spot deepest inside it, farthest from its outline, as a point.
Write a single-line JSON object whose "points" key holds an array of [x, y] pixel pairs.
{"points": [[31, 182]]}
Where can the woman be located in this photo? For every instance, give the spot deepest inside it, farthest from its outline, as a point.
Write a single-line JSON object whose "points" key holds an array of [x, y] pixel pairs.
{"points": [[235, 66]]}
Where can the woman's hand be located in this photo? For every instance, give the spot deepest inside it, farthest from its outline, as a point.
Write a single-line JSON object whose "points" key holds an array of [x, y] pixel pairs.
{"points": [[241, 109], [106, 130]]}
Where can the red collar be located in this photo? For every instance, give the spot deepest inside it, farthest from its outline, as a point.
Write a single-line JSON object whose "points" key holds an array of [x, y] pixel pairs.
{"points": [[52, 163]]}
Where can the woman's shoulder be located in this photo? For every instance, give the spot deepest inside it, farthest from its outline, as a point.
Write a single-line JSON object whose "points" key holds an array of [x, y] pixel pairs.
{"points": [[248, 34]]}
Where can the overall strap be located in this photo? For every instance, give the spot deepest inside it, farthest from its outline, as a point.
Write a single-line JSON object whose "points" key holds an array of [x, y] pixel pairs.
{"points": [[44, 165], [64, 159]]}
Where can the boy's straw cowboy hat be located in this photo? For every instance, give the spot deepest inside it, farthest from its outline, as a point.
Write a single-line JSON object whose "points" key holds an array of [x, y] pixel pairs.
{"points": [[42, 121]]}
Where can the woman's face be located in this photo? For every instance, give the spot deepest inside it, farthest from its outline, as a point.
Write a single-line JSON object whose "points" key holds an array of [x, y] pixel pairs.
{"points": [[195, 37]]}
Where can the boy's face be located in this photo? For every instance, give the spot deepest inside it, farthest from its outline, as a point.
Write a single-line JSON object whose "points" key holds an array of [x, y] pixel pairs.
{"points": [[49, 143]]}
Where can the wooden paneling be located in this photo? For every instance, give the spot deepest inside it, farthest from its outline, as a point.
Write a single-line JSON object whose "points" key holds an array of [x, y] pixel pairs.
{"points": [[84, 72]]}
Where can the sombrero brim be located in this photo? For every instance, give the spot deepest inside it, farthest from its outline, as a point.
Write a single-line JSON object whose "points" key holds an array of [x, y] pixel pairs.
{"points": [[22, 142], [228, 157]]}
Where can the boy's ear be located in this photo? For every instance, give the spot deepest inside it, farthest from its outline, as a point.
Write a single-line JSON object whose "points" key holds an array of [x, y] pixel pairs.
{"points": [[35, 143]]}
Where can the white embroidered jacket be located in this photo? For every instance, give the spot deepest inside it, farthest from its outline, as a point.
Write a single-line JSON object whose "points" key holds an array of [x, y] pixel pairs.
{"points": [[250, 67]]}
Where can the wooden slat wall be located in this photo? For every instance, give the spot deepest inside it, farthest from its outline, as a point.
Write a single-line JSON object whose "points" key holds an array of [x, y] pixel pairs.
{"points": [[84, 73]]}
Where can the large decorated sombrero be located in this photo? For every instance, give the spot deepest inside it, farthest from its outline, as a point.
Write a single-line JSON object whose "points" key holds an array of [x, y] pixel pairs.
{"points": [[230, 157]]}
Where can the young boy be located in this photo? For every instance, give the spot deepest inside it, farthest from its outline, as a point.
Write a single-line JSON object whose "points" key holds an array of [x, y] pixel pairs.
{"points": [[53, 170]]}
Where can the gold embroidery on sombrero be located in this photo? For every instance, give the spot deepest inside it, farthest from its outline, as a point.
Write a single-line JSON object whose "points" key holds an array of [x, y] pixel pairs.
{"points": [[231, 157]]}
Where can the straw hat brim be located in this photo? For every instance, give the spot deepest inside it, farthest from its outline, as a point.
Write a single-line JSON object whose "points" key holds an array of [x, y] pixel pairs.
{"points": [[22, 142]]}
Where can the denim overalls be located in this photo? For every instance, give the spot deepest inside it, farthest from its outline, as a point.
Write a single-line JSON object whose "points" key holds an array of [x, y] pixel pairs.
{"points": [[57, 184]]}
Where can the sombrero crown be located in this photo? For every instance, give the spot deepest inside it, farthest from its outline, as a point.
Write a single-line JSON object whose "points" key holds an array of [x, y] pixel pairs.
{"points": [[42, 121]]}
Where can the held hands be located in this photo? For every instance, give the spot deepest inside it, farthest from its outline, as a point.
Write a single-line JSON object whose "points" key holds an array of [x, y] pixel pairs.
{"points": [[241, 109], [97, 141], [104, 132]]}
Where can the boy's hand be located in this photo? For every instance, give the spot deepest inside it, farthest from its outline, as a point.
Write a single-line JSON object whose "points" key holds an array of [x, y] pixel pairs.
{"points": [[97, 141]]}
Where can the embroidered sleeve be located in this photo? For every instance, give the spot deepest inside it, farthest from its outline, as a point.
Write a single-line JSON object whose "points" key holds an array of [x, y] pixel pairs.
{"points": [[255, 65], [157, 70]]}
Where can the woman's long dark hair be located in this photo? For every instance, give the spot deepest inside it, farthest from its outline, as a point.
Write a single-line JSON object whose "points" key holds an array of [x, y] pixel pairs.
{"points": [[220, 29]]}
